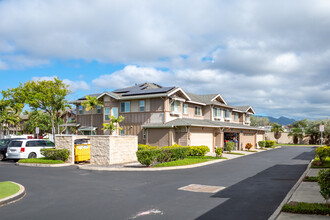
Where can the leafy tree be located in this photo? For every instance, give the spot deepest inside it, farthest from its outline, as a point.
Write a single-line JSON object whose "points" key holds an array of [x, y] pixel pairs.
{"points": [[296, 133], [114, 124], [46, 95], [37, 119], [90, 104], [277, 129], [259, 121], [312, 130]]}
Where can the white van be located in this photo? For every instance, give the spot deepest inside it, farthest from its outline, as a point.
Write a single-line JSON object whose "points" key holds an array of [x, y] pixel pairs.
{"points": [[30, 148]]}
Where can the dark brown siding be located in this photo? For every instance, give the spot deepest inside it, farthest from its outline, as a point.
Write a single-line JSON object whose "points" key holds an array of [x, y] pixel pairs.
{"points": [[136, 118], [158, 137], [156, 104], [181, 138]]}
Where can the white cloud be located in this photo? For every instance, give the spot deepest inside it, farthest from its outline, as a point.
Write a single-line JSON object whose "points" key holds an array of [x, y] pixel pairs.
{"points": [[73, 85]]}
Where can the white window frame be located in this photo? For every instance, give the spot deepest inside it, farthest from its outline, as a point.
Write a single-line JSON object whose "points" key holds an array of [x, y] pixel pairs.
{"points": [[235, 116], [98, 109], [175, 106], [227, 114], [112, 112], [81, 109], [106, 116], [185, 109], [217, 112], [142, 108], [127, 107], [247, 118], [199, 111]]}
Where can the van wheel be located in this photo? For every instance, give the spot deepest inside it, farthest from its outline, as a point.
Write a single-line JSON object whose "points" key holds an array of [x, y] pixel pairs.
{"points": [[2, 156], [32, 155]]}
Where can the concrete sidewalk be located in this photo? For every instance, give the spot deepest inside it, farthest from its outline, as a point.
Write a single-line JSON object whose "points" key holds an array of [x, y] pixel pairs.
{"points": [[306, 192]]}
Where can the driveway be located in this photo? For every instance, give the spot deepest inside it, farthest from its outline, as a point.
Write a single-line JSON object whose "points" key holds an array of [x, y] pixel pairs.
{"points": [[255, 186]]}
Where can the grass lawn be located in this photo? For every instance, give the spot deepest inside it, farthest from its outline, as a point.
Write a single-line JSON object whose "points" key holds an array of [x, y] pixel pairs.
{"points": [[326, 163], [188, 161], [251, 150], [307, 208], [234, 153], [310, 179], [296, 145], [40, 160], [8, 189]]}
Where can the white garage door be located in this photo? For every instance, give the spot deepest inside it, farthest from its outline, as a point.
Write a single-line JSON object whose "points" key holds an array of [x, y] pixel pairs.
{"points": [[197, 139], [260, 137]]}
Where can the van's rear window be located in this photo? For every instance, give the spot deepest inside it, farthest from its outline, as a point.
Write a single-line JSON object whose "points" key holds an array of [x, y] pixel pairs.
{"points": [[15, 144]]}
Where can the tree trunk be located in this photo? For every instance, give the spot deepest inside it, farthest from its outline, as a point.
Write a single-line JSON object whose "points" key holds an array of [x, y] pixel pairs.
{"points": [[53, 127]]}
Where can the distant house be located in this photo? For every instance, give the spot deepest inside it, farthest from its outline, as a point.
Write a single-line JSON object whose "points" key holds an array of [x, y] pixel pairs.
{"points": [[167, 115]]}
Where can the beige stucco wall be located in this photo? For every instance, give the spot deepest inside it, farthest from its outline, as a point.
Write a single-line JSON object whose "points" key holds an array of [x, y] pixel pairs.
{"points": [[105, 149], [284, 139]]}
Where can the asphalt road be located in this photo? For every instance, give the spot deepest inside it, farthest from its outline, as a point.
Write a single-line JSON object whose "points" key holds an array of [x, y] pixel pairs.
{"points": [[255, 186]]}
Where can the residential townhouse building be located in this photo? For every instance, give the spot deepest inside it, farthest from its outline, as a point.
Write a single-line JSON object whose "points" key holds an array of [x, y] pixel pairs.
{"points": [[169, 115]]}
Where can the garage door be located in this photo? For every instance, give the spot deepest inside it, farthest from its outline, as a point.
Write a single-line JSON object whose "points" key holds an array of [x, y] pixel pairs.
{"points": [[260, 137], [197, 139]]}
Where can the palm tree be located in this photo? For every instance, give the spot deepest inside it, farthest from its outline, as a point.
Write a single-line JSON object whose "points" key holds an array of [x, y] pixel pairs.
{"points": [[90, 104], [277, 129], [114, 124], [296, 133]]}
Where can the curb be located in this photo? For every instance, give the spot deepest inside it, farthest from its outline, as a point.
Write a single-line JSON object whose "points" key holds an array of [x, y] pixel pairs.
{"points": [[14, 198], [96, 168], [43, 165], [290, 193]]}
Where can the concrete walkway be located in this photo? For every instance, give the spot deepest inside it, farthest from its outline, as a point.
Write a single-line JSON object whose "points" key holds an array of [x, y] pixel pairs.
{"points": [[306, 192]]}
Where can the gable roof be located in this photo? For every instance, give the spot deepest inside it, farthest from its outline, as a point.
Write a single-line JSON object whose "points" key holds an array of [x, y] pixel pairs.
{"points": [[243, 109]]}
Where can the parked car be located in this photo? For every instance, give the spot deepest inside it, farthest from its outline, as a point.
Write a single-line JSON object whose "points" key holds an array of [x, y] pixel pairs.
{"points": [[4, 146], [20, 149]]}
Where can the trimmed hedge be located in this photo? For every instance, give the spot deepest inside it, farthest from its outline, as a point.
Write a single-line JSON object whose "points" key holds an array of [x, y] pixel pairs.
{"points": [[55, 154], [146, 147], [322, 153], [198, 150], [324, 183], [151, 157], [262, 144], [270, 143]]}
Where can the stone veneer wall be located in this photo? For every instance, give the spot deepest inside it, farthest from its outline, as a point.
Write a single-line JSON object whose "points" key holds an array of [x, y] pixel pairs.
{"points": [[105, 149]]}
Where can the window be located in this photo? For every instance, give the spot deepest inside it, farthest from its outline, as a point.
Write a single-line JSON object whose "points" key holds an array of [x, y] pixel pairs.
{"points": [[236, 116], [98, 109], [41, 143], [247, 118], [144, 134], [122, 132], [228, 115], [217, 112], [198, 110], [185, 109], [141, 105], [175, 106], [15, 143], [31, 144], [115, 112], [81, 109], [49, 143], [125, 107], [107, 114]]}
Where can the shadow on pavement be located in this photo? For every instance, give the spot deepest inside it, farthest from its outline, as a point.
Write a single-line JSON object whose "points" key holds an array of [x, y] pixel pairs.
{"points": [[256, 197], [306, 155]]}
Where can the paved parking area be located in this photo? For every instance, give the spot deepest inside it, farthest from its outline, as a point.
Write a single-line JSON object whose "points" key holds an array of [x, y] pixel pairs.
{"points": [[255, 186]]}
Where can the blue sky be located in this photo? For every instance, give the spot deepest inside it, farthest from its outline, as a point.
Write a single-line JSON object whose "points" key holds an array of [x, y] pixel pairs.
{"points": [[272, 55]]}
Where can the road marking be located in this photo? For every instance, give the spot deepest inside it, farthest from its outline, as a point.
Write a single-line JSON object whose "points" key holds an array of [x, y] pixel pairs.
{"points": [[202, 188], [148, 212]]}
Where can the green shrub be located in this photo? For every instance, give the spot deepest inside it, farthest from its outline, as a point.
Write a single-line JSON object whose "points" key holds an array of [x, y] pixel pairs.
{"points": [[147, 147], [262, 144], [270, 143], [322, 153], [162, 155], [218, 151], [248, 146], [198, 150], [172, 146], [230, 146], [307, 208], [55, 154], [324, 182], [147, 157]]}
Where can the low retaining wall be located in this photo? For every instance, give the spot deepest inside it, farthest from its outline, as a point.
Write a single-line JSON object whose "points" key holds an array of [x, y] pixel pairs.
{"points": [[105, 149]]}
